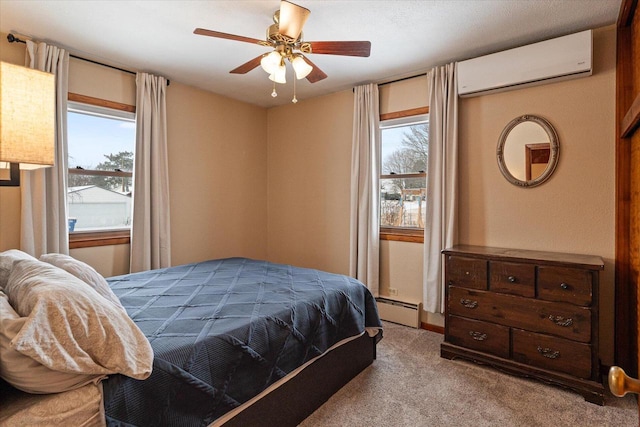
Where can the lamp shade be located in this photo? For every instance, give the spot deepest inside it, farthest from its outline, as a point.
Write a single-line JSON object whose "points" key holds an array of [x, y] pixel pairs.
{"points": [[271, 61], [27, 119], [301, 67], [279, 76]]}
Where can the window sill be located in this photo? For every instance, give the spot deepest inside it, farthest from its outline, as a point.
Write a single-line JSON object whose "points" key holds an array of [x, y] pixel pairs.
{"points": [[402, 234], [89, 239]]}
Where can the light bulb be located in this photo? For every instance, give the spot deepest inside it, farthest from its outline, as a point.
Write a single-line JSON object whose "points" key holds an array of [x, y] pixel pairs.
{"points": [[301, 67], [271, 61]]}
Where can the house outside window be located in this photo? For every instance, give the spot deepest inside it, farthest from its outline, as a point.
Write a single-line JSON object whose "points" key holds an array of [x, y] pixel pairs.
{"points": [[403, 197], [101, 144]]}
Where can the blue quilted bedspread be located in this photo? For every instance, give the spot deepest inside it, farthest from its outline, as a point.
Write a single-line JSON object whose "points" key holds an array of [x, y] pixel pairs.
{"points": [[224, 330]]}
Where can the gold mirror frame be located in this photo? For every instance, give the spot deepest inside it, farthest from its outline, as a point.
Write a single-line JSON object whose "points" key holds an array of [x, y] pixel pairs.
{"points": [[553, 155]]}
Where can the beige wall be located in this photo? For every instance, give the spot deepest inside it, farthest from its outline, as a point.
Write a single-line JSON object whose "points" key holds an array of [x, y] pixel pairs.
{"points": [[217, 171], [404, 95], [87, 78], [107, 260], [573, 211], [309, 163], [217, 176]]}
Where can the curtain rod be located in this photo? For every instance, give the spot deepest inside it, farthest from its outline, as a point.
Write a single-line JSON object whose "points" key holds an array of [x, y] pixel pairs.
{"points": [[402, 79], [13, 39], [397, 80]]}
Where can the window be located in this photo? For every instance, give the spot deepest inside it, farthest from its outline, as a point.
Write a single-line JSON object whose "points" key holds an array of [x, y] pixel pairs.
{"points": [[101, 141], [404, 151]]}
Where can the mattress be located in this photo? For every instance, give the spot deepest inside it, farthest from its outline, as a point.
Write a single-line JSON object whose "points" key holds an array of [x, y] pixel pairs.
{"points": [[222, 331]]}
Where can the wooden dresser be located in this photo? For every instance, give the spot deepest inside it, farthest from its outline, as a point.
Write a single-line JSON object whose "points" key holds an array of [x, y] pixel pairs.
{"points": [[528, 313]]}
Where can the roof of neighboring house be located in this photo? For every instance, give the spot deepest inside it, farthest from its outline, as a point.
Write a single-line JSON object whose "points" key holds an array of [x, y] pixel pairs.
{"points": [[95, 194]]}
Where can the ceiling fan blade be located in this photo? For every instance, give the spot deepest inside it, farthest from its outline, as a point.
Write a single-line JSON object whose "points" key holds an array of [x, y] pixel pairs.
{"points": [[247, 66], [292, 19], [349, 48], [316, 74], [211, 33]]}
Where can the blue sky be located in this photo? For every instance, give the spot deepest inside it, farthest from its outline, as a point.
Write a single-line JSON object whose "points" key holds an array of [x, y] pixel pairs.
{"points": [[392, 138], [91, 137]]}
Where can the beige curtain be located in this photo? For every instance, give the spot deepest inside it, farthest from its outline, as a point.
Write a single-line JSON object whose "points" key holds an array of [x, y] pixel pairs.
{"points": [[442, 192], [365, 193], [44, 226], [150, 236]]}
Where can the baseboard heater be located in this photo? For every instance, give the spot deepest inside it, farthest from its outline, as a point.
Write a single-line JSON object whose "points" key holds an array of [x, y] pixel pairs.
{"points": [[402, 312]]}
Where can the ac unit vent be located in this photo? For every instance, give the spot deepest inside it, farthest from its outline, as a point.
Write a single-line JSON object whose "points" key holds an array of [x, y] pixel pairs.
{"points": [[562, 58]]}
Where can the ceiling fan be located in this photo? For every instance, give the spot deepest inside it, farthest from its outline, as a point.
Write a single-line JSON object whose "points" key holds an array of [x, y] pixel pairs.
{"points": [[286, 39]]}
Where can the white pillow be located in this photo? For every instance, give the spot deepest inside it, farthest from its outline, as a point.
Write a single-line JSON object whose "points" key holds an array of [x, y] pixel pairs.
{"points": [[84, 272], [7, 259], [23, 372], [72, 328]]}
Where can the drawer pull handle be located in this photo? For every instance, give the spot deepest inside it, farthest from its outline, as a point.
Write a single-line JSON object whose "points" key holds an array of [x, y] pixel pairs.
{"points": [[548, 353], [564, 285], [468, 303], [512, 279], [561, 321], [478, 336]]}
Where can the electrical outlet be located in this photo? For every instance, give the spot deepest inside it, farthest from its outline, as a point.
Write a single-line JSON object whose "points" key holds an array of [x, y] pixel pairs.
{"points": [[393, 292]]}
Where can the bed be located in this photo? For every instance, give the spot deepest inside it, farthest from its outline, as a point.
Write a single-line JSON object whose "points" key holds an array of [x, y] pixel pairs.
{"points": [[239, 342]]}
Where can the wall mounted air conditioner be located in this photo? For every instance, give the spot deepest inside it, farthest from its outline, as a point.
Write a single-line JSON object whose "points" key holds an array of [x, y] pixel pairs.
{"points": [[552, 60]]}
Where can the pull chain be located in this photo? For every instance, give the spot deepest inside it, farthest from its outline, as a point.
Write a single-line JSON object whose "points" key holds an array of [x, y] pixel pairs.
{"points": [[294, 100], [274, 93]]}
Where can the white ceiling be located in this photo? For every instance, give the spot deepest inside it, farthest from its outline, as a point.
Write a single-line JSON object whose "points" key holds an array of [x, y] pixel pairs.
{"points": [[407, 37]]}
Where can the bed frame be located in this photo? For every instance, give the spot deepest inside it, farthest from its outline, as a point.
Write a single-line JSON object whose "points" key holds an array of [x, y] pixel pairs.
{"points": [[295, 400]]}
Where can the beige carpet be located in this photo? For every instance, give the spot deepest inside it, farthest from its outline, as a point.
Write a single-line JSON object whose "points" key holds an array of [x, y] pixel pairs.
{"points": [[411, 385]]}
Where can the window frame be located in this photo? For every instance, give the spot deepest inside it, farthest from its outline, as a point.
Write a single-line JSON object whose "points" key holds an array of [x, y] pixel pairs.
{"points": [[87, 239], [403, 234]]}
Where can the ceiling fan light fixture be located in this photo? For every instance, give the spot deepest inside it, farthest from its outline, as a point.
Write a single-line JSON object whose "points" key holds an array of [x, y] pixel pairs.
{"points": [[271, 61], [301, 67], [279, 75], [285, 39]]}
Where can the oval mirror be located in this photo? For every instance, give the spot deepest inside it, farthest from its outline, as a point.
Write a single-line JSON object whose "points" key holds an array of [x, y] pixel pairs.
{"points": [[528, 151]]}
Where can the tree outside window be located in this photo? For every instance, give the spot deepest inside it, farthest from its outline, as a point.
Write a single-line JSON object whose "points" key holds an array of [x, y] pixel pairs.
{"points": [[404, 161]]}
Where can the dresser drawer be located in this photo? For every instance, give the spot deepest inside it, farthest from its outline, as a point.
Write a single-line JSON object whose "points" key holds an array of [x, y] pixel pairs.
{"points": [[552, 353], [513, 278], [466, 272], [533, 313], [559, 319], [482, 336], [565, 284]]}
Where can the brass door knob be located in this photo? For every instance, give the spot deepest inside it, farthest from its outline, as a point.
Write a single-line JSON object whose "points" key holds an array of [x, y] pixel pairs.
{"points": [[620, 383]]}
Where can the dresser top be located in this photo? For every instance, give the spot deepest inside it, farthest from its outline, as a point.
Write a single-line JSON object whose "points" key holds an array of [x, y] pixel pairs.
{"points": [[591, 262]]}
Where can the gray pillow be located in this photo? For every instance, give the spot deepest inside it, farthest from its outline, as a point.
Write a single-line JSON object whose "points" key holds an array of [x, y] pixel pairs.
{"points": [[84, 272], [23, 372], [72, 328], [7, 258]]}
